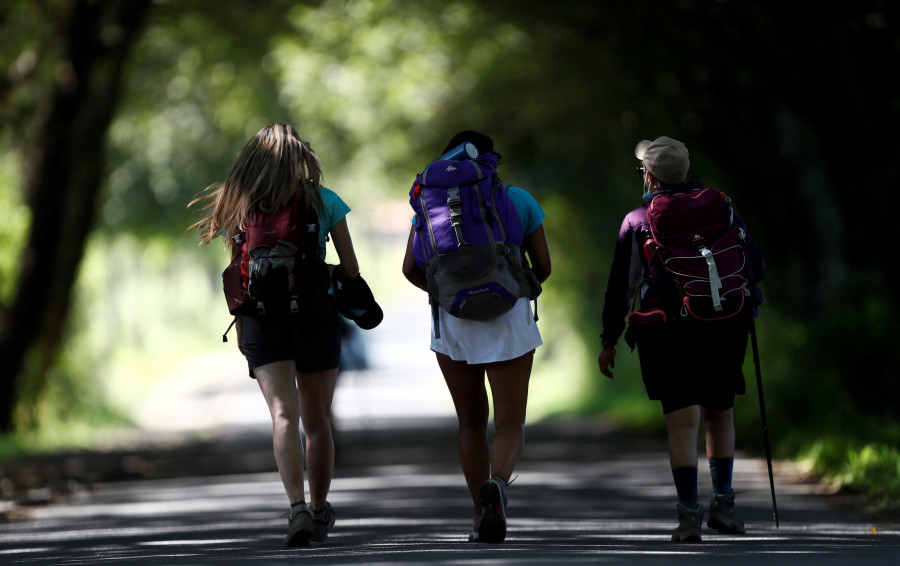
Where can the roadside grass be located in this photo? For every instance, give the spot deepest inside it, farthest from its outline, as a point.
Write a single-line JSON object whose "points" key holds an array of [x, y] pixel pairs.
{"points": [[872, 470]]}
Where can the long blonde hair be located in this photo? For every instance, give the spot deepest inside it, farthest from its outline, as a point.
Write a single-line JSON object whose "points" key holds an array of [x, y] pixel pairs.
{"points": [[268, 173]]}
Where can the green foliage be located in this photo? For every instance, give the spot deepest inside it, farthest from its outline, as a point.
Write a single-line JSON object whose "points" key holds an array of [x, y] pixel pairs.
{"points": [[872, 469], [155, 310], [14, 228], [141, 308], [189, 106]]}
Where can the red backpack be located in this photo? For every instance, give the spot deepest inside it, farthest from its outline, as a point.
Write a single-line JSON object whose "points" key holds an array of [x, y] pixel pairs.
{"points": [[697, 255], [277, 269]]}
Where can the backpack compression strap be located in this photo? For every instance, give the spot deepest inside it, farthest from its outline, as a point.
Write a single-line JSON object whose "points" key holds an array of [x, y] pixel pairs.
{"points": [[715, 283], [455, 205]]}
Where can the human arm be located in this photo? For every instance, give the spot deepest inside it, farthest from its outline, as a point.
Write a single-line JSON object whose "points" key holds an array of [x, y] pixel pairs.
{"points": [[411, 269], [531, 215], [624, 276], [343, 245], [757, 266], [539, 253]]}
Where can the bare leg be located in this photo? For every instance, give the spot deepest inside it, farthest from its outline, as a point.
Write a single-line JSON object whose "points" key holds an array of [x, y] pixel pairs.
{"points": [[719, 426], [509, 387], [466, 385], [316, 395], [683, 426], [276, 380]]}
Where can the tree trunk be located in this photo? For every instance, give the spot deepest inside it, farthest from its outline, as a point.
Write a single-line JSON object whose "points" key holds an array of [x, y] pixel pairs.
{"points": [[67, 165]]}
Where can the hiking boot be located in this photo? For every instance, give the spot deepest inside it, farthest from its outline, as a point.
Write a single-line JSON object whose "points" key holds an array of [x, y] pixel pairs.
{"points": [[721, 515], [300, 528], [322, 520], [492, 525], [690, 521]]}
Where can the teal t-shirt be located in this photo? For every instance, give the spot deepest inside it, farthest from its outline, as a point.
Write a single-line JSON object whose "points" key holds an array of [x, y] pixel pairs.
{"points": [[530, 212], [331, 212]]}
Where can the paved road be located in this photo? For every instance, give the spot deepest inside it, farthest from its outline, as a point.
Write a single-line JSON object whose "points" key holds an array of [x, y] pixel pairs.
{"points": [[584, 495]]}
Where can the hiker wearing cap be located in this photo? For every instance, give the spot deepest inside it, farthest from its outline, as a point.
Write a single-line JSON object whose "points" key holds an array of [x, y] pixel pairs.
{"points": [[488, 329], [690, 362], [287, 320]]}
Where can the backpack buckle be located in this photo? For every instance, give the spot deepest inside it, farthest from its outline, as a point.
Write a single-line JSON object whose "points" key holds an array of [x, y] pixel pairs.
{"points": [[455, 204], [453, 199]]}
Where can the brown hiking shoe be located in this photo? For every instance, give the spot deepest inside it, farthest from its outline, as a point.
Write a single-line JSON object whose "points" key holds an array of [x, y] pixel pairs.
{"points": [[690, 521], [721, 515]]}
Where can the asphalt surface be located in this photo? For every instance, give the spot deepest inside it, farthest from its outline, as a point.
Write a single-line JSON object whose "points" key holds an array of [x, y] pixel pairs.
{"points": [[197, 485], [585, 494]]}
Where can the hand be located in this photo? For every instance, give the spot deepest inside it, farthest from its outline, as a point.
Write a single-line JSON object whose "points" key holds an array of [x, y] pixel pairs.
{"points": [[607, 360]]}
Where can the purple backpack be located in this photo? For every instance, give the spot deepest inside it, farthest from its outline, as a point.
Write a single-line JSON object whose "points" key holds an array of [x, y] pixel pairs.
{"points": [[468, 239], [697, 254]]}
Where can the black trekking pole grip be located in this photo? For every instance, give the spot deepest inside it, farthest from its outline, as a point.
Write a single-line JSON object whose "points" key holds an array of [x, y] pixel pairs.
{"points": [[762, 413]]}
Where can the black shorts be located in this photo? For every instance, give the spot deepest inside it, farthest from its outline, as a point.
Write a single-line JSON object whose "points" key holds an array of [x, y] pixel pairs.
{"points": [[715, 400], [695, 363], [311, 339]]}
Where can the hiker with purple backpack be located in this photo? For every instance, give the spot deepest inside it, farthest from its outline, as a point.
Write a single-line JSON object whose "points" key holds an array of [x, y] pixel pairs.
{"points": [[469, 248], [687, 259]]}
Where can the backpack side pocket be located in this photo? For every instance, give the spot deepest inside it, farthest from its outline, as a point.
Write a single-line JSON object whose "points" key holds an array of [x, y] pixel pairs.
{"points": [[644, 323]]}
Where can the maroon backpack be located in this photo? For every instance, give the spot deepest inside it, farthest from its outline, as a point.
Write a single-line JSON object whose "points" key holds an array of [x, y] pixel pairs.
{"points": [[277, 269], [697, 254]]}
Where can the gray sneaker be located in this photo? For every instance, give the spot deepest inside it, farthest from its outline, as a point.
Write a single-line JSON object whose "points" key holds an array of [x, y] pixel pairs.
{"points": [[300, 528], [721, 515], [491, 525], [690, 522], [476, 524], [322, 521]]}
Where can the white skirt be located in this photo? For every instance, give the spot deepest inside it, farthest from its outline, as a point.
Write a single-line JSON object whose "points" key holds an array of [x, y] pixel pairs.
{"points": [[506, 337]]}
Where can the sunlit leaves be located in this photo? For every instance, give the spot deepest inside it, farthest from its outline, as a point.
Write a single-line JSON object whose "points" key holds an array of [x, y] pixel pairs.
{"points": [[15, 223]]}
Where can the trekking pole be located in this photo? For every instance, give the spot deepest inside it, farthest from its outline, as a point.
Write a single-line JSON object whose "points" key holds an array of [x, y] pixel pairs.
{"points": [[762, 413]]}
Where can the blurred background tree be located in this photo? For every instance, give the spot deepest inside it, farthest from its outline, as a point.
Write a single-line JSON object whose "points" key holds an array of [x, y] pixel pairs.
{"points": [[61, 94], [787, 109]]}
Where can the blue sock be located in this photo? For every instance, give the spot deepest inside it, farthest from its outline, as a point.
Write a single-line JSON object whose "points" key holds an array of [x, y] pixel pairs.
{"points": [[721, 470], [686, 485]]}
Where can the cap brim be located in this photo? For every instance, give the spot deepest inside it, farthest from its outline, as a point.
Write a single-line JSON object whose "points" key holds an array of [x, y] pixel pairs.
{"points": [[357, 303], [370, 318], [641, 148]]}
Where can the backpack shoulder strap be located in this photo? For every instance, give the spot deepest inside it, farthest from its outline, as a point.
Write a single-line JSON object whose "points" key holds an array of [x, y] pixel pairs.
{"points": [[498, 186], [308, 227]]}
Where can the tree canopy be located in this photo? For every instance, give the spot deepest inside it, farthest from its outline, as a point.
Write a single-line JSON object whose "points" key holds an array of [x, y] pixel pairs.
{"points": [[114, 114]]}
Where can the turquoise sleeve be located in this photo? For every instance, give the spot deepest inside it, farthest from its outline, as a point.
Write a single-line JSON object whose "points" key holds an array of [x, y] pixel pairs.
{"points": [[333, 211], [530, 212]]}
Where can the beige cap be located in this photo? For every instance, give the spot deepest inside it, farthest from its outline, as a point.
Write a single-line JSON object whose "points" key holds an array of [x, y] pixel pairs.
{"points": [[665, 158]]}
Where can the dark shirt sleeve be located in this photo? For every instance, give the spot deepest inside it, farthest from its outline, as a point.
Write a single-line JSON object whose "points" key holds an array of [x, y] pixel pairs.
{"points": [[620, 286], [757, 266]]}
